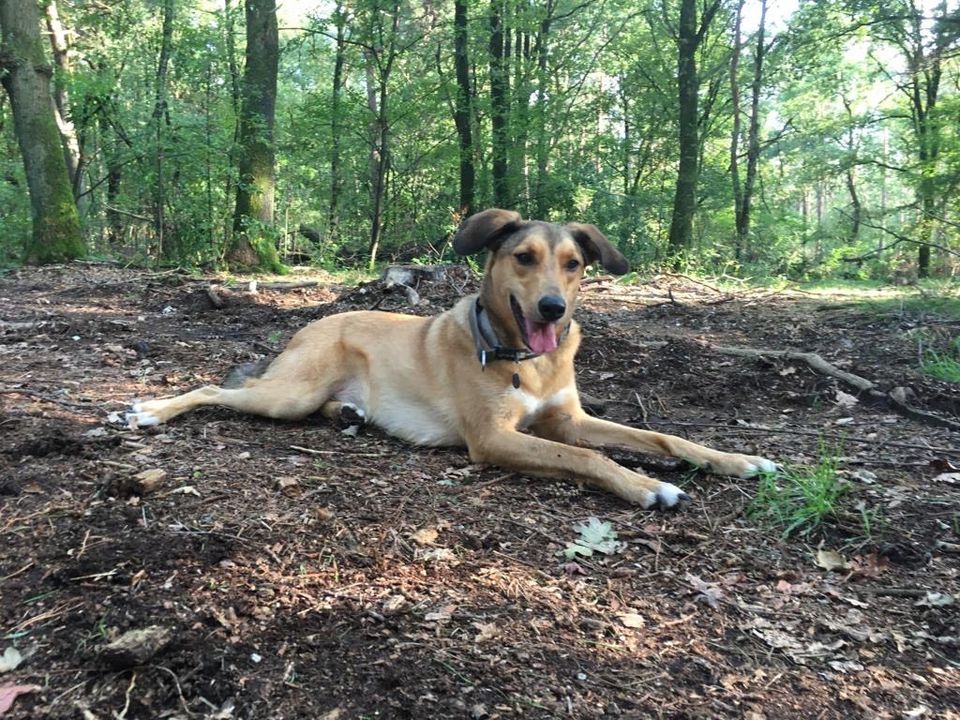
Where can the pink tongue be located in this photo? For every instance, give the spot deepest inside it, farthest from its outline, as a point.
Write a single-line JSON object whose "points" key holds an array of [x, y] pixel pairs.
{"points": [[542, 337]]}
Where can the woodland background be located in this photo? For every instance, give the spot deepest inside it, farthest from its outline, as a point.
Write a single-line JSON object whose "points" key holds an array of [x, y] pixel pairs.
{"points": [[798, 139]]}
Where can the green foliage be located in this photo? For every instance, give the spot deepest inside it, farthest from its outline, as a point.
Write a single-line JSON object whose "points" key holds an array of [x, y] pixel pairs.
{"points": [[798, 500], [943, 366], [592, 134]]}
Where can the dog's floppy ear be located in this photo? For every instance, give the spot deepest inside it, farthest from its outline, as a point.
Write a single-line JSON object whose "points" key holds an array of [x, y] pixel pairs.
{"points": [[483, 230], [595, 246]]}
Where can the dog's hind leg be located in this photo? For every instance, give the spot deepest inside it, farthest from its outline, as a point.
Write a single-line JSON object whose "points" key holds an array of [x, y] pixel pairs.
{"points": [[274, 398], [345, 413]]}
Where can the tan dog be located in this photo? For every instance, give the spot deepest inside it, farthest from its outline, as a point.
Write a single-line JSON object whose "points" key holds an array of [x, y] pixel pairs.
{"points": [[494, 373]]}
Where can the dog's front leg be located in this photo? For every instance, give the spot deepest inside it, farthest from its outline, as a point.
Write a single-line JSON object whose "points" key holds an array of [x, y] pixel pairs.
{"points": [[537, 456], [582, 429]]}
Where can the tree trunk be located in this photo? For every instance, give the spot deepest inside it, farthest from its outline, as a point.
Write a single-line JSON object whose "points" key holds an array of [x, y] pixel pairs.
{"points": [[735, 133], [753, 132], [56, 223], [688, 86], [542, 52], [336, 181], [499, 109], [379, 68], [520, 121], [463, 110], [159, 113], [252, 244], [61, 99]]}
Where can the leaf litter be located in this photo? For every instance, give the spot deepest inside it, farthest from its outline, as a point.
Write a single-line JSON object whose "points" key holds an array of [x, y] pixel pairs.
{"points": [[697, 613]]}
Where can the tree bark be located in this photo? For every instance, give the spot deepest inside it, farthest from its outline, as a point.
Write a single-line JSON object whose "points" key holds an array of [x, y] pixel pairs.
{"points": [[252, 245], [463, 109], [735, 133], [336, 181], [380, 63], [542, 51], [499, 108], [56, 224], [159, 113], [753, 133], [68, 132], [688, 87]]}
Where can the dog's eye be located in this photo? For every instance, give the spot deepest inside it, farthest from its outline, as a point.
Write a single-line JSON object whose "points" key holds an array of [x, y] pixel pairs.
{"points": [[572, 264], [524, 258]]}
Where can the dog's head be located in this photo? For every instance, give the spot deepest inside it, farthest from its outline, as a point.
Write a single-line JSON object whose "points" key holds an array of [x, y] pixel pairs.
{"points": [[533, 272]]}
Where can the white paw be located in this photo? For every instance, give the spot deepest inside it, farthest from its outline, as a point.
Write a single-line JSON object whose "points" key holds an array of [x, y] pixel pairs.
{"points": [[759, 465], [666, 496], [137, 419]]}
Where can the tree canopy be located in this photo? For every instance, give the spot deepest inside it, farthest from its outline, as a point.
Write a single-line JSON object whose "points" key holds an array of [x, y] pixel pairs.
{"points": [[738, 136]]}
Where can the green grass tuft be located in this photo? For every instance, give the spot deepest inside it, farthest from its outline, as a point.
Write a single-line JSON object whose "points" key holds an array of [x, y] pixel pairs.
{"points": [[798, 500]]}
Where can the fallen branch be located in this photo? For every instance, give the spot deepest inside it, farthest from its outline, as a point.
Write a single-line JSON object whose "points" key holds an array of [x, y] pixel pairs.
{"points": [[895, 397]]}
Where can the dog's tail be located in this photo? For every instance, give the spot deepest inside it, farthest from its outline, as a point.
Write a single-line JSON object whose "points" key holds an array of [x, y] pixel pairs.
{"points": [[239, 375]]}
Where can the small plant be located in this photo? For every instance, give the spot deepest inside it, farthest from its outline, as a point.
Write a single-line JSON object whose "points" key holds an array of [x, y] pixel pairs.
{"points": [[943, 367], [798, 500]]}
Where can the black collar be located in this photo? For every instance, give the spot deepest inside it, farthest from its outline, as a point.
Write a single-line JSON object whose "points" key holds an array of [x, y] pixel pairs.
{"points": [[488, 344]]}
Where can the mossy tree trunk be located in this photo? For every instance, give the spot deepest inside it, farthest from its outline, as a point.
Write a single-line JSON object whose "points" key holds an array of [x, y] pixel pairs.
{"points": [[252, 245], [26, 75]]}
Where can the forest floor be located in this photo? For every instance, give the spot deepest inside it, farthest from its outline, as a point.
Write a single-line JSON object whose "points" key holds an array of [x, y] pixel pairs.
{"points": [[289, 570]]}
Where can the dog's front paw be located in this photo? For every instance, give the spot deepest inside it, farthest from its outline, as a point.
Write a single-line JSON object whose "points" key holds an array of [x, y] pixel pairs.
{"points": [[666, 496], [743, 466]]}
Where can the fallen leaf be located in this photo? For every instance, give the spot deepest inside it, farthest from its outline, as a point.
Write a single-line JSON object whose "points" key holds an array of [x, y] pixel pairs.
{"points": [[632, 620], [487, 631], [595, 536], [935, 599], [394, 604], [9, 693], [438, 555], [149, 480], [135, 647], [288, 486], [709, 593], [846, 400], [444, 613], [10, 660], [426, 536], [831, 560], [872, 565]]}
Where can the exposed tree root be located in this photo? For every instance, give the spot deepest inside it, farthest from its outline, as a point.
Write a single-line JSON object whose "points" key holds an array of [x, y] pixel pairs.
{"points": [[896, 397]]}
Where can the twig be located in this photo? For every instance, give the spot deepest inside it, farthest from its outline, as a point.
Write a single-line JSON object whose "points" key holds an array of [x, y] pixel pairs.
{"points": [[45, 398], [18, 572], [311, 451]]}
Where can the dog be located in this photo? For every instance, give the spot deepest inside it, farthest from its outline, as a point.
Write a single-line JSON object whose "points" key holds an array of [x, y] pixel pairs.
{"points": [[494, 373]]}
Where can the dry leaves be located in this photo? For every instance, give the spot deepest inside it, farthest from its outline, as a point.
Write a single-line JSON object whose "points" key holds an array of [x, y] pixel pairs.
{"points": [[831, 560], [9, 693]]}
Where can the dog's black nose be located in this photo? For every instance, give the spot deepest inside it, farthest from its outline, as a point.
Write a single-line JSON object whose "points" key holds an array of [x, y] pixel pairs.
{"points": [[551, 307]]}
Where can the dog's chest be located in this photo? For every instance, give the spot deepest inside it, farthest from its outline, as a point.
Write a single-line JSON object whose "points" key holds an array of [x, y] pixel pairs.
{"points": [[534, 407]]}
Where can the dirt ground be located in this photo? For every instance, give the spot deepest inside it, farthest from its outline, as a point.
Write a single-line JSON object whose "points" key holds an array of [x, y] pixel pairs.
{"points": [[289, 570]]}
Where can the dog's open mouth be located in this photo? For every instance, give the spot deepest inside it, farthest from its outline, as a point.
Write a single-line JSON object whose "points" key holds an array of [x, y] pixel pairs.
{"points": [[540, 337]]}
